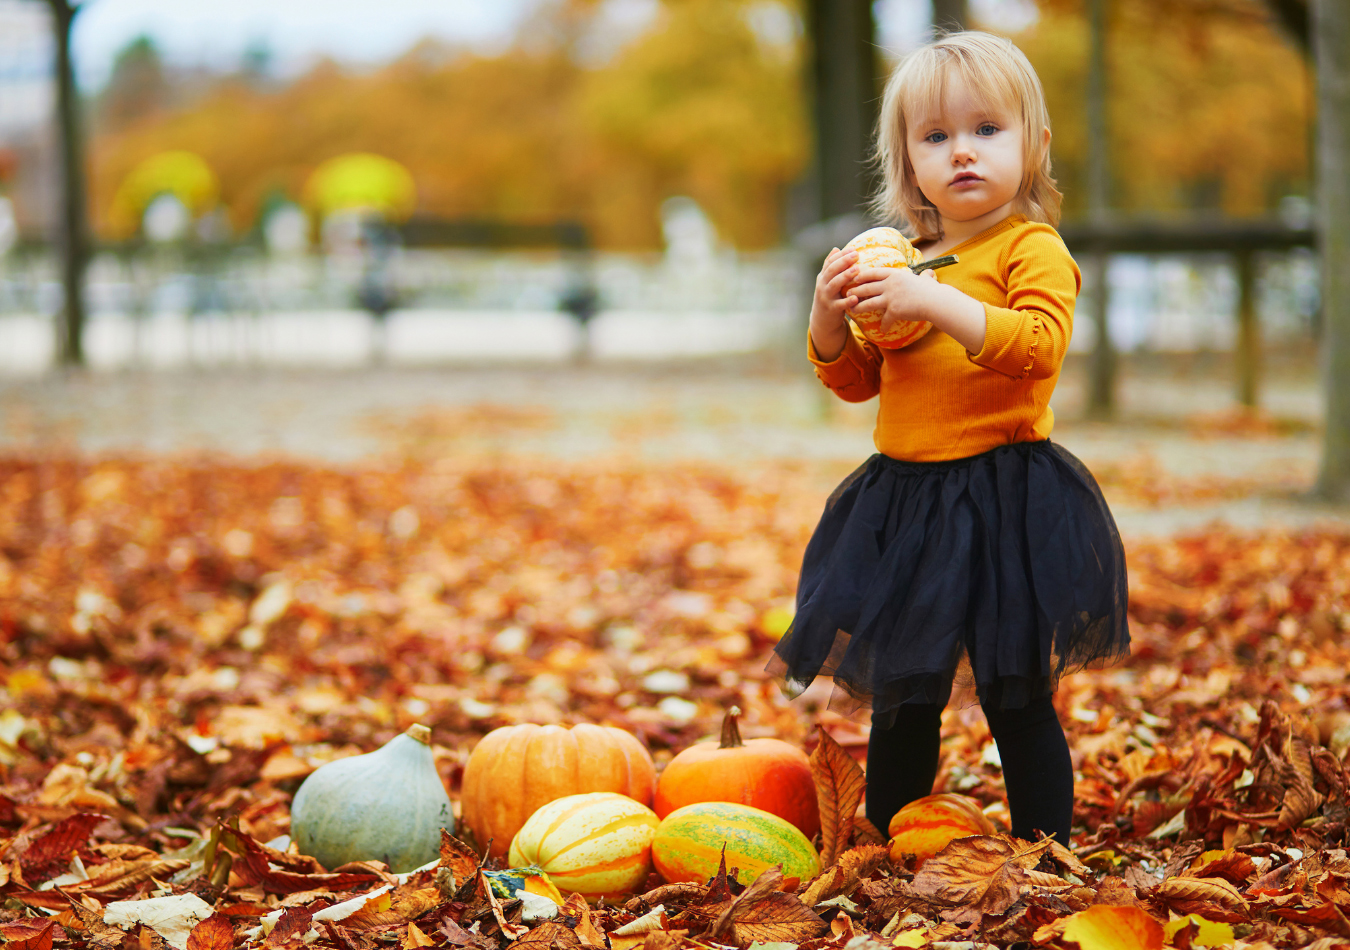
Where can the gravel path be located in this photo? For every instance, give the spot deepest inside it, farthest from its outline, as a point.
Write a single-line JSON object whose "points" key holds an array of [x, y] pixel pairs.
{"points": [[1176, 461]]}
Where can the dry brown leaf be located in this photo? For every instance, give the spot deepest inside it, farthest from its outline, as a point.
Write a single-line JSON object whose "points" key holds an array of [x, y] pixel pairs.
{"points": [[585, 930], [49, 854], [291, 929], [214, 933], [764, 914], [550, 935], [839, 790], [414, 938], [982, 874], [664, 939], [684, 893], [852, 867], [458, 857], [1232, 866], [1213, 898], [28, 934]]}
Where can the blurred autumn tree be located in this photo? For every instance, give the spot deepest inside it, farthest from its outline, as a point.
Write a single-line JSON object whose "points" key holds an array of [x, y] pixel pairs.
{"points": [[705, 103], [1210, 104], [1210, 109], [137, 87]]}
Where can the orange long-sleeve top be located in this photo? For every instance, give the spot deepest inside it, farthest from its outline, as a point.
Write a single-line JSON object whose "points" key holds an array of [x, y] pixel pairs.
{"points": [[940, 401]]}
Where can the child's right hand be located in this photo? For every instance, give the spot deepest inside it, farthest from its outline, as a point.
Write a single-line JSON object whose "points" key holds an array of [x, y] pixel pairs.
{"points": [[829, 325]]}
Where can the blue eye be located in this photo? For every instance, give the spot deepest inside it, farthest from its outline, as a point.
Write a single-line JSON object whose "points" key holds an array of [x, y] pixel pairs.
{"points": [[987, 129], [935, 137]]}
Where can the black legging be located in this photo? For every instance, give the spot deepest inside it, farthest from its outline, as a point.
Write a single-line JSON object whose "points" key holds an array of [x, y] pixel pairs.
{"points": [[902, 763]]}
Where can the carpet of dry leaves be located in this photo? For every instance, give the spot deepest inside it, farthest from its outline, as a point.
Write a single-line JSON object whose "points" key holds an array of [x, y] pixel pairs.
{"points": [[182, 641]]}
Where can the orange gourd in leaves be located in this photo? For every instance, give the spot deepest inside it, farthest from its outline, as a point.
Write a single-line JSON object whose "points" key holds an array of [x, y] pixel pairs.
{"points": [[516, 770], [927, 825], [886, 247], [768, 774]]}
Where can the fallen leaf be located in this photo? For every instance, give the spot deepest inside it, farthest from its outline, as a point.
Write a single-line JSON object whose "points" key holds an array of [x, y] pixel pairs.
{"points": [[414, 938], [1210, 897], [173, 917], [49, 854], [214, 933], [982, 874], [1109, 928], [577, 907], [844, 876], [291, 929], [458, 857], [550, 935], [28, 934], [762, 912], [1202, 932], [840, 783]]}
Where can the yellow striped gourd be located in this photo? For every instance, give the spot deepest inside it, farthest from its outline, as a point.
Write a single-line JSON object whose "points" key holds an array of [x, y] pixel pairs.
{"points": [[597, 845]]}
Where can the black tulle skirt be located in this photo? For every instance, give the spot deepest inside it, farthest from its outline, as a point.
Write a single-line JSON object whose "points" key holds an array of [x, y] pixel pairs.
{"points": [[991, 575]]}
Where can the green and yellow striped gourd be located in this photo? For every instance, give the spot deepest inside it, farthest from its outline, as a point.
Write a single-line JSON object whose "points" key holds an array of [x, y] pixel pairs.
{"points": [[688, 844]]}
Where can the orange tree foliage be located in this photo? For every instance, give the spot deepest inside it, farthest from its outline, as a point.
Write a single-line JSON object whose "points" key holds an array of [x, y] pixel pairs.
{"points": [[1209, 107], [1210, 104], [698, 106]]}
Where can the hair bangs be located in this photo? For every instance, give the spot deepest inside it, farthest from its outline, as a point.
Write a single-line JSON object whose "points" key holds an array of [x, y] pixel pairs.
{"points": [[924, 98]]}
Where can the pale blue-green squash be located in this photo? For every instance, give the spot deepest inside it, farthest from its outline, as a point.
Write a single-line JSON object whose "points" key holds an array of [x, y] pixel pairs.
{"points": [[388, 805]]}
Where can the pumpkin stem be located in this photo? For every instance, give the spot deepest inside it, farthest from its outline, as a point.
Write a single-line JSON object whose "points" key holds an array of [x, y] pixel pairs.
{"points": [[731, 736], [419, 732]]}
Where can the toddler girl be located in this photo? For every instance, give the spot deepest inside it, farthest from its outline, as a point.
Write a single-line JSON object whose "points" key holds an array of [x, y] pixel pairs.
{"points": [[970, 551]]}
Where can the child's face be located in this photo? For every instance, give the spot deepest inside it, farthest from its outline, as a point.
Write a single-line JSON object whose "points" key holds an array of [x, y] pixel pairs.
{"points": [[968, 159]]}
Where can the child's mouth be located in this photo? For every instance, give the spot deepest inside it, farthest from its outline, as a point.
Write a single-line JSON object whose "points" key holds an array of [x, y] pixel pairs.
{"points": [[965, 178]]}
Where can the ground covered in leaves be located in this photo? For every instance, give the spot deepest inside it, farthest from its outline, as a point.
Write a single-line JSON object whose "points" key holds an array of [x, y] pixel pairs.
{"points": [[181, 642]]}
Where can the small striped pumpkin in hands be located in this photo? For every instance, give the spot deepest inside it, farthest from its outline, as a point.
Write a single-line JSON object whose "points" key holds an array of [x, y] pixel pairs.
{"points": [[927, 825], [886, 247], [597, 844], [688, 845]]}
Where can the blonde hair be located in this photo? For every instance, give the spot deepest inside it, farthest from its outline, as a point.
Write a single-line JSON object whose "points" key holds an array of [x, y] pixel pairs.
{"points": [[995, 70]]}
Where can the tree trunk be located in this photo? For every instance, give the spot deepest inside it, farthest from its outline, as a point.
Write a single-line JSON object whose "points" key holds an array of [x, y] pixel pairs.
{"points": [[1101, 402], [844, 80], [950, 15], [1331, 46], [74, 239]]}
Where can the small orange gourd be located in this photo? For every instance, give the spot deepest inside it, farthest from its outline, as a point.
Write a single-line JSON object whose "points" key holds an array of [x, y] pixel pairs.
{"points": [[927, 825], [768, 774], [886, 247]]}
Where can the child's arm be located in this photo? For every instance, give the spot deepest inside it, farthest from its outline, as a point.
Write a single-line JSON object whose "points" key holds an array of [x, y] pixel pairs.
{"points": [[849, 366], [1025, 339], [829, 325]]}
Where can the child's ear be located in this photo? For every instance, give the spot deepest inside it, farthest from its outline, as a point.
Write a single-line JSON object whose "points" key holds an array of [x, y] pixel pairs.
{"points": [[1045, 140]]}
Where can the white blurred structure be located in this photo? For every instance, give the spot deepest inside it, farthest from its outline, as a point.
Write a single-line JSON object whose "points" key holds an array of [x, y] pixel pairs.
{"points": [[9, 227], [691, 239]]}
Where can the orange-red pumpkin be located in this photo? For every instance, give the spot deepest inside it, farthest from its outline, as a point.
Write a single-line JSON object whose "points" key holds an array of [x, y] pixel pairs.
{"points": [[927, 825], [768, 774], [886, 247], [516, 770]]}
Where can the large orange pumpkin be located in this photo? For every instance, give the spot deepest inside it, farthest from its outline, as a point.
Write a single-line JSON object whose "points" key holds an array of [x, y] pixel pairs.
{"points": [[516, 770], [886, 247], [927, 825], [768, 774]]}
